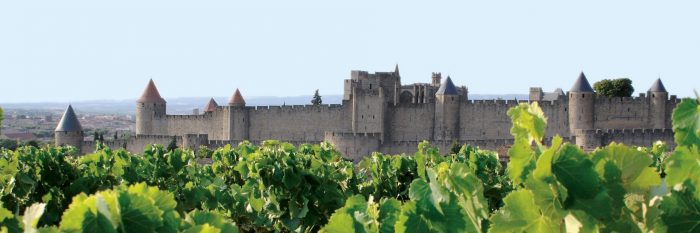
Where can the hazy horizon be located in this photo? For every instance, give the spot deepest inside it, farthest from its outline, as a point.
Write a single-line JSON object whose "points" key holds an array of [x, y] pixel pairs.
{"points": [[80, 50]]}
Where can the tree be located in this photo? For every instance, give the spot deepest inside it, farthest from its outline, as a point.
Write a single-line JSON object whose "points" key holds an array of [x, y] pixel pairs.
{"points": [[95, 136], [203, 152], [455, 147], [621, 87], [8, 144], [316, 101], [172, 145], [31, 143], [2, 114]]}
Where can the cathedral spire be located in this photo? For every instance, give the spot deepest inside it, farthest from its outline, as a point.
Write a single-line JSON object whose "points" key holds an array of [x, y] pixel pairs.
{"points": [[396, 69], [151, 94]]}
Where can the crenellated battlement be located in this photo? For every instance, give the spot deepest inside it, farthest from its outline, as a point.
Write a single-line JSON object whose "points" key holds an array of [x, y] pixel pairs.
{"points": [[627, 132], [379, 113], [591, 139], [607, 100], [496, 102], [351, 134], [295, 107], [642, 98], [206, 116]]}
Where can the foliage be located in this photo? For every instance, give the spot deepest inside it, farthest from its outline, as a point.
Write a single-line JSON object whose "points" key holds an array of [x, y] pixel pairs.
{"points": [[659, 153], [686, 123], [8, 144], [316, 100], [449, 199], [172, 145], [136, 208], [203, 152], [615, 188], [276, 187], [359, 215], [621, 87], [2, 116]]}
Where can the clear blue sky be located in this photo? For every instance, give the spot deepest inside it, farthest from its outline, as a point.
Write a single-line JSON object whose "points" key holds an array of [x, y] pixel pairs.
{"points": [[82, 50]]}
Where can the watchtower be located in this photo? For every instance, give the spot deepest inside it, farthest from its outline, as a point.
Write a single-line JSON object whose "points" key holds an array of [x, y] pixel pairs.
{"points": [[150, 108], [658, 96], [69, 132], [238, 120], [447, 101], [581, 105]]}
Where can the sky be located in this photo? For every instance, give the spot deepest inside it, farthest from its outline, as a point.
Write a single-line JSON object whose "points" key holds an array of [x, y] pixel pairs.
{"points": [[98, 50]]}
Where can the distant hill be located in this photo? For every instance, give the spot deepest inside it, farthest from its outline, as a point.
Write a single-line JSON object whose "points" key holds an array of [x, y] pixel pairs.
{"points": [[184, 105]]}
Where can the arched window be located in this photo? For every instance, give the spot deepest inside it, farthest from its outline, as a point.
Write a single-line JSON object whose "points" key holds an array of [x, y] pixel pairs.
{"points": [[406, 97]]}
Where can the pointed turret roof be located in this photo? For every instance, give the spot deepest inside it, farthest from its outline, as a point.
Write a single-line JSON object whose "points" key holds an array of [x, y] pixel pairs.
{"points": [[447, 88], [236, 99], [69, 122], [396, 70], [151, 94], [581, 84], [211, 106], [658, 86]]}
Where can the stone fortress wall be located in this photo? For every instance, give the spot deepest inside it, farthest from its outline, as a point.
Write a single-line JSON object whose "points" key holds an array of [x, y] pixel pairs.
{"points": [[134, 144], [378, 113]]}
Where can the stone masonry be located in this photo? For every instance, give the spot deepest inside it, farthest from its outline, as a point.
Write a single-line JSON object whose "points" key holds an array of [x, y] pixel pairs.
{"points": [[379, 113]]}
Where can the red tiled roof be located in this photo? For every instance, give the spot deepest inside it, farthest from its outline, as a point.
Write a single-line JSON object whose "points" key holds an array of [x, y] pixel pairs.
{"points": [[151, 94], [236, 99], [211, 106]]}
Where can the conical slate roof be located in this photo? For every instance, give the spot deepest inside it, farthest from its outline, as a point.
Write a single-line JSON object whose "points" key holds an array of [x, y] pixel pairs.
{"points": [[211, 106], [236, 99], [447, 88], [658, 86], [151, 94], [69, 122], [581, 84]]}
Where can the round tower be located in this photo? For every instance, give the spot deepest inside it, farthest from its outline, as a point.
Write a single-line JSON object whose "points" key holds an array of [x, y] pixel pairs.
{"points": [[69, 132], [447, 102], [658, 96], [150, 108], [238, 117], [581, 105]]}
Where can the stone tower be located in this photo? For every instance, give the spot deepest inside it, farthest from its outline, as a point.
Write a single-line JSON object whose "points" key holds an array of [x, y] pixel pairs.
{"points": [[150, 108], [581, 107], [69, 132], [436, 79], [658, 97], [536, 94], [447, 101], [238, 120]]}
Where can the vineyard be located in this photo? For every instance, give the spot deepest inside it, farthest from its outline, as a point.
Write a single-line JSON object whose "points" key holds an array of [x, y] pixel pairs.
{"points": [[277, 187]]}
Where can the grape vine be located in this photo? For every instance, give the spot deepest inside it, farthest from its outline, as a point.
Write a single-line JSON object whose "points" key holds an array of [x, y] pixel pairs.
{"points": [[277, 187]]}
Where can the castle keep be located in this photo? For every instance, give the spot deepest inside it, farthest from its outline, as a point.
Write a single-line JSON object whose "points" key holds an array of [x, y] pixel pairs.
{"points": [[379, 113]]}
